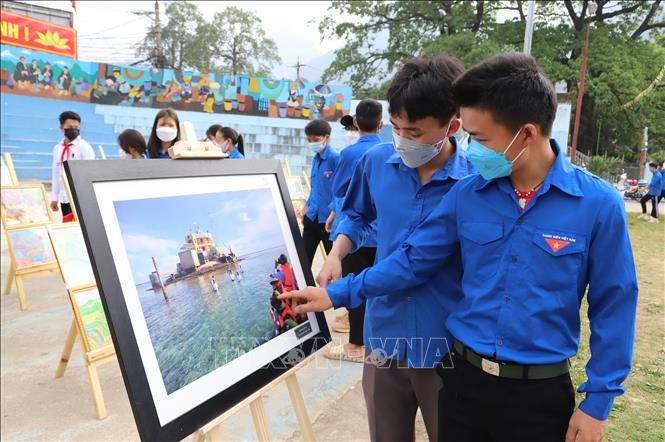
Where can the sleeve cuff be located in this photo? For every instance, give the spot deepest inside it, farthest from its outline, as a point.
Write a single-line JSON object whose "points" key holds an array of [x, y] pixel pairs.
{"points": [[347, 228], [598, 405], [338, 294]]}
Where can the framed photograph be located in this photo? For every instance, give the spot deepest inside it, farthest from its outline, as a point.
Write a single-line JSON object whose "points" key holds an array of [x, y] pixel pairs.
{"points": [[189, 257], [89, 313], [24, 205], [30, 247], [69, 247]]}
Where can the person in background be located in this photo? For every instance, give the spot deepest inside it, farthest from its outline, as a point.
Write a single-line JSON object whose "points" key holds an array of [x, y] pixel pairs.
{"points": [[211, 133], [317, 207], [64, 81], [47, 75], [35, 72], [351, 134], [655, 189], [132, 145], [165, 132], [72, 147], [662, 182], [231, 142], [21, 73], [367, 123]]}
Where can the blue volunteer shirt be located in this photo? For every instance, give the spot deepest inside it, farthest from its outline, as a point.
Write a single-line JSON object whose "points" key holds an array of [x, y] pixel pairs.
{"points": [[236, 155], [320, 197], [405, 325], [526, 272], [348, 160], [656, 184]]}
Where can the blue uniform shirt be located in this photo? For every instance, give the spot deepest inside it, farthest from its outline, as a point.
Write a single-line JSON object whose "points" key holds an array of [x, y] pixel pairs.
{"points": [[526, 272], [405, 325], [320, 197], [163, 155], [348, 160], [656, 184], [236, 155]]}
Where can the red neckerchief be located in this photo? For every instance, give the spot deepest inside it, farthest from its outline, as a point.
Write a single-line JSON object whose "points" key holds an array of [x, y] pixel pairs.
{"points": [[525, 197], [66, 151]]}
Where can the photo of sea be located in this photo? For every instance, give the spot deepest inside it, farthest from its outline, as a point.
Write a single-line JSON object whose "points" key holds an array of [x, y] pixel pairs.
{"points": [[205, 269]]}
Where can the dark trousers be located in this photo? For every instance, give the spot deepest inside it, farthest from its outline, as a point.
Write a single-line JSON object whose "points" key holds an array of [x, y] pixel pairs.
{"points": [[65, 208], [313, 233], [356, 263], [393, 394], [476, 406], [654, 204]]}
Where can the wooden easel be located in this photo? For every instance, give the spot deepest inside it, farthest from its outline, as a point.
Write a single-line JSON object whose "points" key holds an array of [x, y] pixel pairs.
{"points": [[210, 431], [102, 154], [9, 166], [16, 274], [93, 359]]}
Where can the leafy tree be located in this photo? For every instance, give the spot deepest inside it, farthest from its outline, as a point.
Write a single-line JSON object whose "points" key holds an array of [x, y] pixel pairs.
{"points": [[234, 41], [626, 53], [240, 44]]}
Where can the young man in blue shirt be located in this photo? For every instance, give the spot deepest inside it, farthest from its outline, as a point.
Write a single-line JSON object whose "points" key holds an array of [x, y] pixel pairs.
{"points": [[393, 189], [367, 122], [534, 234], [655, 189], [317, 207]]}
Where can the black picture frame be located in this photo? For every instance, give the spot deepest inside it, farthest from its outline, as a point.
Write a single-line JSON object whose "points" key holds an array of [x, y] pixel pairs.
{"points": [[83, 175]]}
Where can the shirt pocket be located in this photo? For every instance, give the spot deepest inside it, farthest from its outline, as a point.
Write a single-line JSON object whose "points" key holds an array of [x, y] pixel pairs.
{"points": [[481, 248], [557, 259]]}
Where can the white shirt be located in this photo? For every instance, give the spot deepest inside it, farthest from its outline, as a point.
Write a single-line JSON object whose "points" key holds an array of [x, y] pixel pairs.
{"points": [[80, 150]]}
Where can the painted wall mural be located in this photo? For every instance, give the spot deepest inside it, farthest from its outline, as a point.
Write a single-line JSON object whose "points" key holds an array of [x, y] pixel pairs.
{"points": [[27, 72]]}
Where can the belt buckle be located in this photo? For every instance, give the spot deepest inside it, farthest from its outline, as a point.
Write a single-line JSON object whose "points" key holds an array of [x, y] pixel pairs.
{"points": [[490, 367]]}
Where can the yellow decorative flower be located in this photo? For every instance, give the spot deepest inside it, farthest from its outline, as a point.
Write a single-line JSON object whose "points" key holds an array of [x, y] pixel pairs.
{"points": [[52, 39]]}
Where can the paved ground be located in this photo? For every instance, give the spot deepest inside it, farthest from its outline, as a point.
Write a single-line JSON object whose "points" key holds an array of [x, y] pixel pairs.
{"points": [[36, 406]]}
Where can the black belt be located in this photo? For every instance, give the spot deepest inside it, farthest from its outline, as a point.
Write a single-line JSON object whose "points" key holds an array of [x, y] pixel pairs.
{"points": [[510, 370]]}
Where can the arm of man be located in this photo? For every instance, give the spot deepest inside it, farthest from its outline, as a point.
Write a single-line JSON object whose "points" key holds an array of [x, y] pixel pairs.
{"points": [[55, 178], [612, 301], [433, 241]]}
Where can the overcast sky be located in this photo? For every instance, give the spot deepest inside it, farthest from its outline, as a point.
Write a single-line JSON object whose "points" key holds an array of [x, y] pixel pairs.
{"points": [[108, 31]]}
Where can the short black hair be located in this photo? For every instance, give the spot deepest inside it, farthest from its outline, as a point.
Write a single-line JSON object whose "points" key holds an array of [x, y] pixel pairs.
{"points": [[512, 88], [423, 88], [369, 114], [652, 164], [212, 130], [132, 138], [282, 259], [69, 115], [318, 128]]}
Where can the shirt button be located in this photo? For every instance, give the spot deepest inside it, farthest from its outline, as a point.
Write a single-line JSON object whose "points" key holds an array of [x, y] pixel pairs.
{"points": [[419, 195], [506, 298], [499, 342], [513, 258], [518, 222]]}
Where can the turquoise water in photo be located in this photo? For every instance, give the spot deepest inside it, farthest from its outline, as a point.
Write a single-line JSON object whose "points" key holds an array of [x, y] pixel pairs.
{"points": [[199, 330]]}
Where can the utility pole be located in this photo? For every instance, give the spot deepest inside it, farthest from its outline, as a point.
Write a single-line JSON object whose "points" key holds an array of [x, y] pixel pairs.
{"points": [[528, 31], [297, 67], [643, 152], [159, 53]]}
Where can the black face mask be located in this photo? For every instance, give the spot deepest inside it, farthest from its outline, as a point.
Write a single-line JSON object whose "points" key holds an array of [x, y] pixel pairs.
{"points": [[72, 134]]}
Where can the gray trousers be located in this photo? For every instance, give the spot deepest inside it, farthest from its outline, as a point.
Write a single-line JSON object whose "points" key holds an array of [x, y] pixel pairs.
{"points": [[393, 395]]}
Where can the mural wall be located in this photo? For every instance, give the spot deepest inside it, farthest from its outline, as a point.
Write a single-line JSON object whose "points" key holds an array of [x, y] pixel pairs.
{"points": [[38, 74]]}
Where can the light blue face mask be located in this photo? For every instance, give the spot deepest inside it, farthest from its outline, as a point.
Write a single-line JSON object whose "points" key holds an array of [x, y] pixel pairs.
{"points": [[489, 163], [316, 147]]}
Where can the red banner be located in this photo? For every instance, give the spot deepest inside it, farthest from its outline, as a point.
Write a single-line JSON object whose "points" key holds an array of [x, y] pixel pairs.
{"points": [[26, 32]]}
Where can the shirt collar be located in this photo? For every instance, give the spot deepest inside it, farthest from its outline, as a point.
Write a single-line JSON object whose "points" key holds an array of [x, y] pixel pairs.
{"points": [[73, 143], [325, 153], [561, 174], [369, 137]]}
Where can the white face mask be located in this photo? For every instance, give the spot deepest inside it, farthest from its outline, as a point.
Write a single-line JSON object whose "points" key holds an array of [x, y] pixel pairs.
{"points": [[415, 154], [166, 133], [351, 137]]}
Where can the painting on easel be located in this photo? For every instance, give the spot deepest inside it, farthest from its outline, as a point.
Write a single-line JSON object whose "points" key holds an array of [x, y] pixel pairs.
{"points": [[30, 247], [89, 311], [69, 247], [192, 302], [24, 205]]}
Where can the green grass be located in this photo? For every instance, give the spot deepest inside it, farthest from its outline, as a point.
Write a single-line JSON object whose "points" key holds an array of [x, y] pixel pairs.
{"points": [[639, 415]]}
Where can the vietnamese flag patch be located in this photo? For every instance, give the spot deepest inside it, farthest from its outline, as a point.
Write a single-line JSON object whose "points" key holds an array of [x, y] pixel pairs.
{"points": [[556, 244]]}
